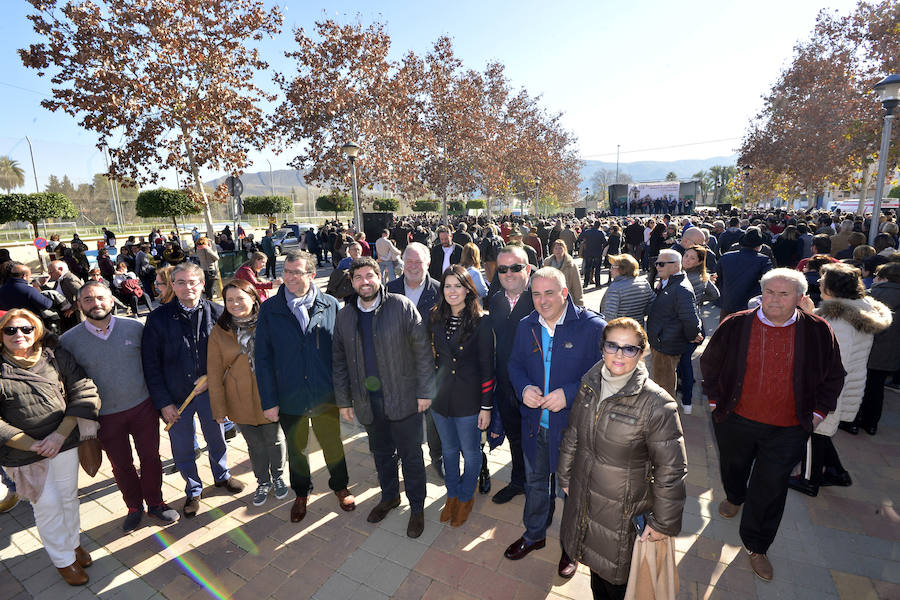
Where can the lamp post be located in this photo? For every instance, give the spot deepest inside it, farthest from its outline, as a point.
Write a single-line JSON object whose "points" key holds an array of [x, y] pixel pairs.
{"points": [[351, 150], [888, 90], [746, 169]]}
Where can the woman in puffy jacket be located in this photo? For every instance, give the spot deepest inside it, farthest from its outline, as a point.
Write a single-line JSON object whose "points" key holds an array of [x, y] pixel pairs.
{"points": [[622, 455], [629, 294], [47, 406], [855, 319]]}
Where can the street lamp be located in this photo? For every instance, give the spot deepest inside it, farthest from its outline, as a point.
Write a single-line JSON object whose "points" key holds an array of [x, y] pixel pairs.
{"points": [[889, 92], [746, 169], [351, 150]]}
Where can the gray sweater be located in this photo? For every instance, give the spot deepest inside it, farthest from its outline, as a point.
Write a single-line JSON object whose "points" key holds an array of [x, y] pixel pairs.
{"points": [[114, 364]]}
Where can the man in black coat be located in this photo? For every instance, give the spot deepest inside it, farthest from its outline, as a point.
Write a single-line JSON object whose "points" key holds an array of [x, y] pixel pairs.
{"points": [[423, 290], [592, 242], [508, 306], [444, 254], [739, 273]]}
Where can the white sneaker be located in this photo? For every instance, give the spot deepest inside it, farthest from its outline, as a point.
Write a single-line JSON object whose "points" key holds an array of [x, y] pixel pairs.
{"points": [[688, 408]]}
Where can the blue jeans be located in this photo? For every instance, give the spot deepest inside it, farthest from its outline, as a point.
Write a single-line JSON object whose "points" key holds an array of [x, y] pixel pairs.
{"points": [[460, 434], [540, 491], [7, 481], [686, 371], [181, 436]]}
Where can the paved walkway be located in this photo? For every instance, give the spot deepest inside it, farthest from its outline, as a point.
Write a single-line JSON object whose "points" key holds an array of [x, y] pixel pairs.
{"points": [[843, 544]]}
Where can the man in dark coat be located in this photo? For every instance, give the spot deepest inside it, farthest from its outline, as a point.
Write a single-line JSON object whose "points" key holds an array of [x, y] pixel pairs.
{"points": [[592, 242], [444, 254], [739, 273], [173, 353], [16, 292], [296, 386]]}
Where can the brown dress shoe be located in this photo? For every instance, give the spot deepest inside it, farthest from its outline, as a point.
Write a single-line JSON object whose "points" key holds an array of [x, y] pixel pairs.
{"points": [[416, 524], [73, 574], [461, 513], [346, 500], [520, 548], [761, 566], [298, 510], [382, 509], [728, 510], [566, 567], [231, 484], [82, 557], [449, 509]]}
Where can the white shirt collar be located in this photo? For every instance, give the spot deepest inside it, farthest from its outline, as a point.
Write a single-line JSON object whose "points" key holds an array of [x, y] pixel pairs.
{"points": [[765, 321], [103, 334], [551, 330], [371, 308]]}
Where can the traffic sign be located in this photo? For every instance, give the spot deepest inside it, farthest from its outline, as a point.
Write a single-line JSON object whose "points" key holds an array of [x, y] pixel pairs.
{"points": [[40, 243], [235, 187]]}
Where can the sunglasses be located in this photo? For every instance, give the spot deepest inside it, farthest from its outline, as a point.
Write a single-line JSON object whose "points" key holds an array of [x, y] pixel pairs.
{"points": [[662, 263], [26, 329], [517, 268], [628, 350]]}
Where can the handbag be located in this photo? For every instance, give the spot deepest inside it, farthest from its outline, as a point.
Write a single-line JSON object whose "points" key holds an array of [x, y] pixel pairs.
{"points": [[90, 456]]}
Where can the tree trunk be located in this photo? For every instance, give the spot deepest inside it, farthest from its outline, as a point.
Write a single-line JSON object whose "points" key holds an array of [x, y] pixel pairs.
{"points": [[195, 172], [445, 219], [867, 177]]}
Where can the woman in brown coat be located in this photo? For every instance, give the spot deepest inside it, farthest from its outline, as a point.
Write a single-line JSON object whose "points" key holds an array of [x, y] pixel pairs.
{"points": [[622, 456], [232, 388], [562, 260]]}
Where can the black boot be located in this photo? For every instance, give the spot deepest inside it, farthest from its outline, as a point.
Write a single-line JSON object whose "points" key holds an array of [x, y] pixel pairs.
{"points": [[484, 478], [803, 485]]}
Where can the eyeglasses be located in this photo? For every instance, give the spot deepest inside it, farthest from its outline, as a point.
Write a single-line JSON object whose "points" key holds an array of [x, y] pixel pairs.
{"points": [[628, 350], [191, 283], [662, 263], [297, 273], [517, 268], [26, 329]]}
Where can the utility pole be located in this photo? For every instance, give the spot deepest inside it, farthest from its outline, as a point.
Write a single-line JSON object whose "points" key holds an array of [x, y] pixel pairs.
{"points": [[618, 146]]}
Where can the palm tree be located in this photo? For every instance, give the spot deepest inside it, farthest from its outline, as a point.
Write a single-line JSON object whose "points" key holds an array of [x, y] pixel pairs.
{"points": [[11, 174]]}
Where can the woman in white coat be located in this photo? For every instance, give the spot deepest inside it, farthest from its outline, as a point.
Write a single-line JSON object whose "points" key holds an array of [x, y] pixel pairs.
{"points": [[855, 319]]}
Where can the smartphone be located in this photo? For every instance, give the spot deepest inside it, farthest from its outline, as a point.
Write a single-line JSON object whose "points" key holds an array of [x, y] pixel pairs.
{"points": [[639, 522]]}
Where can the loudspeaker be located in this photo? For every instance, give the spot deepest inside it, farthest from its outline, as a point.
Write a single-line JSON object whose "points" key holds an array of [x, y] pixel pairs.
{"points": [[374, 224], [724, 208], [580, 213], [618, 191]]}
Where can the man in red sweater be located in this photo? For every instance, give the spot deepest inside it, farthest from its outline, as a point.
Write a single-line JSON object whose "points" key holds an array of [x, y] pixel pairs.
{"points": [[771, 375]]}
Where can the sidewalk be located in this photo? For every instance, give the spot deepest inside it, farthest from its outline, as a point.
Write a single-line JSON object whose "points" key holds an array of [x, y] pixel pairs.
{"points": [[843, 544]]}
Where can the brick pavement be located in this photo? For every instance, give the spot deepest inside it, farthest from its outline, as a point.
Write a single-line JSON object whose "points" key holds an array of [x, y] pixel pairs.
{"points": [[843, 544]]}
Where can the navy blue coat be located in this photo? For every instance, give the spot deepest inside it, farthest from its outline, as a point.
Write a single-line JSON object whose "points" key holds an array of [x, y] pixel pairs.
{"points": [[18, 293], [171, 359], [427, 300], [577, 346], [293, 367], [739, 273], [673, 321]]}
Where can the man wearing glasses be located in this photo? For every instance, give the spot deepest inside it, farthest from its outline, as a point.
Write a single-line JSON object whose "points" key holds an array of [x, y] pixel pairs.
{"points": [[672, 321], [293, 373], [173, 353]]}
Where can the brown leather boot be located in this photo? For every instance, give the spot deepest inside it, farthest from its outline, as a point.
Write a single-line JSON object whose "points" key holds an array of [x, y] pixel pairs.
{"points": [[298, 510], [449, 509], [73, 574], [82, 557], [462, 512]]}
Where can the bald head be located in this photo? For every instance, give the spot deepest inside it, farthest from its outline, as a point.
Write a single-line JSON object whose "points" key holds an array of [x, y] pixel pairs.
{"points": [[692, 236], [57, 269]]}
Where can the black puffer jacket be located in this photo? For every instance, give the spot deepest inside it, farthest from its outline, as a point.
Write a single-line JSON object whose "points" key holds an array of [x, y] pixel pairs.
{"points": [[402, 351], [672, 320], [620, 457], [32, 401]]}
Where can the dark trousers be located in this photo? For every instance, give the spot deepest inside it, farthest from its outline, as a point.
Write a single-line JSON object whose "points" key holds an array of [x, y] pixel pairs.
{"points": [[270, 267], [540, 491], [764, 455], [327, 427], [820, 455], [133, 302], [873, 398], [141, 423], [511, 419], [435, 448], [592, 266], [604, 590], [398, 441]]}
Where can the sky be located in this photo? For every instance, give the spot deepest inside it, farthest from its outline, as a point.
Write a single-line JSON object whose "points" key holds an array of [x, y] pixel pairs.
{"points": [[655, 80]]}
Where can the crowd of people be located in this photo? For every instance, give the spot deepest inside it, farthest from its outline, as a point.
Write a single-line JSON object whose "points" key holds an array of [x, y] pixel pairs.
{"points": [[463, 336]]}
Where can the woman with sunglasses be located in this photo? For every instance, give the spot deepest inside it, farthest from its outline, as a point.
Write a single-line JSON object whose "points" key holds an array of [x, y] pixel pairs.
{"points": [[622, 460], [47, 406], [463, 344]]}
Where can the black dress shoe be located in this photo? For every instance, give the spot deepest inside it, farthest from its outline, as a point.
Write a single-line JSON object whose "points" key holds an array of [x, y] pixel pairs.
{"points": [[832, 477], [484, 478], [871, 430], [416, 524], [849, 426], [803, 485], [520, 548], [567, 566], [507, 494], [382, 509]]}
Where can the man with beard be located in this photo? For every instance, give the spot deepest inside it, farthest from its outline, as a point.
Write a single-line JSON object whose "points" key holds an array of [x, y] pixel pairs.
{"points": [[384, 374], [444, 254], [109, 351]]}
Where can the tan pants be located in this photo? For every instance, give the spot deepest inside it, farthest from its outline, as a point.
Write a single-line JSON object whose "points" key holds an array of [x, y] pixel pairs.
{"points": [[489, 269], [663, 368]]}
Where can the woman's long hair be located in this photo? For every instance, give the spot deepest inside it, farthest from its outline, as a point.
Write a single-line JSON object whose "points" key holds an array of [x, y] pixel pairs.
{"points": [[165, 273], [701, 268], [472, 311], [226, 320]]}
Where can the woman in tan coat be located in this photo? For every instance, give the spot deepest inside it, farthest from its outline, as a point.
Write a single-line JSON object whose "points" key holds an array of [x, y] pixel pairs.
{"points": [[233, 392], [621, 457], [562, 260]]}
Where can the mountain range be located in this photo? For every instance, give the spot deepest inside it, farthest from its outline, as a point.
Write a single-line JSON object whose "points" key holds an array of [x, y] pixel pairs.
{"points": [[283, 181]]}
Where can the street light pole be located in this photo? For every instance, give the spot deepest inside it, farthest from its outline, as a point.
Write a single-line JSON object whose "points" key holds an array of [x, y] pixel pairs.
{"points": [[271, 178], [351, 150], [617, 162], [746, 169], [33, 169], [889, 91]]}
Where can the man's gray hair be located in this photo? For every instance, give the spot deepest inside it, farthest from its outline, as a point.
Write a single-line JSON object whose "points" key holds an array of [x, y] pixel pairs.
{"points": [[518, 251], [421, 249], [846, 226], [719, 223], [551, 273], [792, 275], [294, 256], [670, 256], [694, 233], [188, 267]]}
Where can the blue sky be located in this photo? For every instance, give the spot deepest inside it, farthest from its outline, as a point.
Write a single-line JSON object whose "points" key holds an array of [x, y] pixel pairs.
{"points": [[643, 75]]}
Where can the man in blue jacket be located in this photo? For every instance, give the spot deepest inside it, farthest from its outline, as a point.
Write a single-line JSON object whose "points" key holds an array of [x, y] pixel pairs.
{"points": [[173, 354], [293, 373], [554, 347], [739, 273]]}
